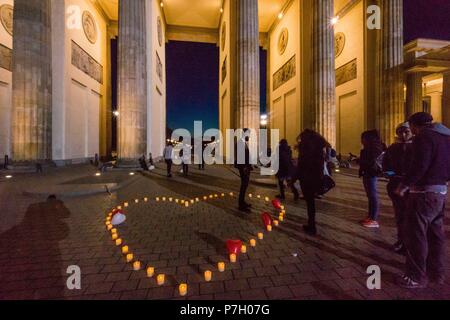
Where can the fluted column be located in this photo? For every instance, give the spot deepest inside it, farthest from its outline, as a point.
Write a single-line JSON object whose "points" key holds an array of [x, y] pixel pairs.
{"points": [[446, 100], [391, 109], [32, 82], [323, 115], [414, 94], [132, 81], [248, 72]]}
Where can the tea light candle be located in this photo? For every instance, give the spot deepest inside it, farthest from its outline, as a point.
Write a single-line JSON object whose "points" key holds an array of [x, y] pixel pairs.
{"points": [[157, 199], [177, 200], [208, 276], [281, 218], [211, 196], [260, 236], [267, 199], [244, 249], [125, 204], [107, 223], [114, 236], [282, 208], [216, 196], [253, 242], [233, 258], [186, 204], [170, 199], [269, 228], [182, 201], [130, 257], [113, 231], [197, 200], [221, 266], [150, 272], [145, 199], [223, 195], [183, 289], [118, 242], [231, 194], [250, 195], [205, 198], [136, 200], [258, 196], [119, 207], [109, 227], [125, 250], [164, 198], [192, 201], [160, 279], [275, 223], [136, 266]]}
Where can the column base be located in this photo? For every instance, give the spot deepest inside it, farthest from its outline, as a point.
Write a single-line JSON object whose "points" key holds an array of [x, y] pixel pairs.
{"points": [[30, 166]]}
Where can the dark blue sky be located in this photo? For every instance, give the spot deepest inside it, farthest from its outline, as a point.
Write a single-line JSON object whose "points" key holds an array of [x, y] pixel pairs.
{"points": [[193, 68]]}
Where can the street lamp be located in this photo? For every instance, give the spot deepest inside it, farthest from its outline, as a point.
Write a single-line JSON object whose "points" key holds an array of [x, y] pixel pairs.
{"points": [[116, 113], [264, 120]]}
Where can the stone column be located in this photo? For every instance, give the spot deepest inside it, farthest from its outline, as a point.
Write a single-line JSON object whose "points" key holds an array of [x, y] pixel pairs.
{"points": [[248, 72], [32, 82], [323, 112], [132, 82], [391, 106], [414, 94], [446, 100]]}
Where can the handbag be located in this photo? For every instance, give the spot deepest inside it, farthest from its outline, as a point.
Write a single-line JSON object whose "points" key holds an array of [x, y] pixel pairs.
{"points": [[327, 185]]}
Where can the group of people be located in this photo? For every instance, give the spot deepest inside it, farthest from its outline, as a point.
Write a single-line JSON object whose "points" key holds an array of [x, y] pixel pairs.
{"points": [[418, 168]]}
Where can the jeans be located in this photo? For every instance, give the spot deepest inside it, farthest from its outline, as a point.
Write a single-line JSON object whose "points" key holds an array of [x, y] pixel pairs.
{"points": [[244, 173], [425, 239], [400, 208], [370, 185]]}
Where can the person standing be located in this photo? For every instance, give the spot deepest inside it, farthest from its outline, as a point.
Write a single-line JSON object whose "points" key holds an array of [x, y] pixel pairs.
{"points": [[396, 162], [168, 153], [245, 169], [311, 161], [369, 170], [426, 181], [284, 174]]}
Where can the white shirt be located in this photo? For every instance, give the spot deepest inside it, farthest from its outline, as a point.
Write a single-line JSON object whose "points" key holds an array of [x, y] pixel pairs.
{"points": [[168, 151]]}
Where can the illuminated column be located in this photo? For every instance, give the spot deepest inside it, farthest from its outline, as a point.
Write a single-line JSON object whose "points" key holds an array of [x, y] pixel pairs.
{"points": [[248, 74], [323, 113], [391, 107], [446, 100], [32, 82], [414, 94], [132, 82]]}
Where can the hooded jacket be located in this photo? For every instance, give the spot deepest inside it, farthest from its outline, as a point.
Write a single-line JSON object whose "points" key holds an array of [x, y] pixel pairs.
{"points": [[430, 166]]}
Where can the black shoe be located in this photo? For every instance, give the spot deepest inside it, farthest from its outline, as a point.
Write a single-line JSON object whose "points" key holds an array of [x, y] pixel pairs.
{"points": [[408, 283], [245, 209], [310, 230]]}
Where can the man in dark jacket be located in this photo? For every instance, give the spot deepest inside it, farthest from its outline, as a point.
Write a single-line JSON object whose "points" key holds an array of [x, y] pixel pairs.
{"points": [[426, 182], [396, 162]]}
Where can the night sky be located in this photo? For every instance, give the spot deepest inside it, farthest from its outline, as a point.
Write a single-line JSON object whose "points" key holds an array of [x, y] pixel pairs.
{"points": [[193, 68]]}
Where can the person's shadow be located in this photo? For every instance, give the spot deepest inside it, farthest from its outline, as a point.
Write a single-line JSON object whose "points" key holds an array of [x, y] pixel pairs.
{"points": [[30, 258]]}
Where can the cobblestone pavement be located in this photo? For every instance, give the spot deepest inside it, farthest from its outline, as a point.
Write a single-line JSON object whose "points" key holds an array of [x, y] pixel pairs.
{"points": [[44, 238]]}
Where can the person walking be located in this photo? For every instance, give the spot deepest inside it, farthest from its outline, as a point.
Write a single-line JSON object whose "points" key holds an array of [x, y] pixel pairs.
{"points": [[245, 169], [396, 162], [426, 181], [369, 170], [168, 153], [285, 171], [311, 161]]}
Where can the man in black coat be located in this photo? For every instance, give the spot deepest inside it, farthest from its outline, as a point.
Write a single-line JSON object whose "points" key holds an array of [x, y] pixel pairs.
{"points": [[245, 168], [426, 181]]}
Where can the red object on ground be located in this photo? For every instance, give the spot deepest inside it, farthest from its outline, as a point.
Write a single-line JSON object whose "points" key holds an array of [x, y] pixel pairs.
{"points": [[234, 246], [267, 219], [276, 204], [116, 211]]}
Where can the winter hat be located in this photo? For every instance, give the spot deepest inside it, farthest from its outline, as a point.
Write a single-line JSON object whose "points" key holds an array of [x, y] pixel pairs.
{"points": [[421, 119]]}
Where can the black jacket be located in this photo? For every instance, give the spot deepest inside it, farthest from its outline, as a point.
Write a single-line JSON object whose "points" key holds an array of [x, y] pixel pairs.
{"points": [[311, 162], [286, 166], [431, 158], [398, 158], [368, 158]]}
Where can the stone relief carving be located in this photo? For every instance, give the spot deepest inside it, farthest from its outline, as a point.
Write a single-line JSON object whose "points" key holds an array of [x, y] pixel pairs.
{"points": [[160, 33], [339, 44], [347, 72], [6, 17], [224, 35], [83, 61], [159, 67], [283, 41], [89, 27], [284, 74], [5, 58], [224, 69]]}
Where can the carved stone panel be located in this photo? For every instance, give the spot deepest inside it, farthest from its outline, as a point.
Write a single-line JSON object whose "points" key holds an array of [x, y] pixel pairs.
{"points": [[224, 69], [90, 27], [224, 35], [6, 17], [159, 67], [83, 61], [159, 30], [347, 72], [5, 58], [284, 74]]}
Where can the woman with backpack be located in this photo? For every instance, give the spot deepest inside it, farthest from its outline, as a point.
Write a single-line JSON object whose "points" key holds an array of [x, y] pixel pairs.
{"points": [[370, 167]]}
